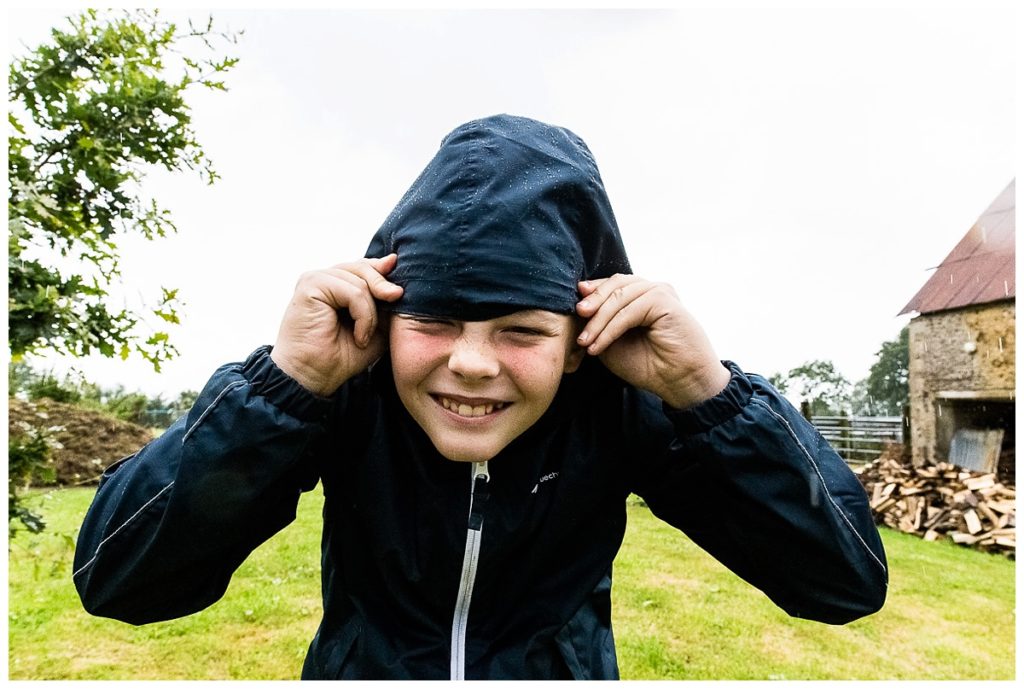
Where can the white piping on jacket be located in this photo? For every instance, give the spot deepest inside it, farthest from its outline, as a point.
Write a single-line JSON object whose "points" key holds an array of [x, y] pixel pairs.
{"points": [[821, 479], [474, 533], [202, 417], [118, 530]]}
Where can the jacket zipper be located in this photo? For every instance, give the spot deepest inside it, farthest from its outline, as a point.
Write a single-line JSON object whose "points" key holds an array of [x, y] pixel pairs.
{"points": [[478, 493]]}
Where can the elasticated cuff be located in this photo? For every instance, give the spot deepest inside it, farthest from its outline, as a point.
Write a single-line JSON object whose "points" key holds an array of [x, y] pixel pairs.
{"points": [[280, 389], [720, 408]]}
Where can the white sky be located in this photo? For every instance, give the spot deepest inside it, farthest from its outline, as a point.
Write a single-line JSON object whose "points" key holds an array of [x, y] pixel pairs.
{"points": [[794, 173]]}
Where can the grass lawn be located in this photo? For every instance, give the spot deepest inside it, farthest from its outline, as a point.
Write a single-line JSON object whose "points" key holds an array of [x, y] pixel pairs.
{"points": [[678, 614]]}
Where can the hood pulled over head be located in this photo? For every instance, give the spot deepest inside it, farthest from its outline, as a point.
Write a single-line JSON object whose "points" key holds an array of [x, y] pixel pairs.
{"points": [[509, 215]]}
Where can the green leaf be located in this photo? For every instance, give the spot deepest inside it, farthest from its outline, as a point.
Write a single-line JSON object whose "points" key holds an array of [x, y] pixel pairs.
{"points": [[102, 101], [13, 121]]}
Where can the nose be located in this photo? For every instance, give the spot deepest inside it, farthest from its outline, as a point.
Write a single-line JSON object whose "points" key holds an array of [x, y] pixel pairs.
{"points": [[473, 358]]}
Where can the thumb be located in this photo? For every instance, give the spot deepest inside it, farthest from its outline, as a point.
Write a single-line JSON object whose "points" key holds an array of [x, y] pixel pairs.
{"points": [[379, 286]]}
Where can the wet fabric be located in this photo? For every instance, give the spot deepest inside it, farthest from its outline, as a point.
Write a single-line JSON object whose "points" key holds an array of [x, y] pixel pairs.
{"points": [[510, 214], [743, 474]]}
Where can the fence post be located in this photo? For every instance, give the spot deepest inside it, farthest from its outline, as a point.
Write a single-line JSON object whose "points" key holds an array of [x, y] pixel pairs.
{"points": [[844, 435], [805, 409]]}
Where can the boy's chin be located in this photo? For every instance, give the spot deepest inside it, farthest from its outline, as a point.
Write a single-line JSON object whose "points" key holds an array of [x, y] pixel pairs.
{"points": [[467, 457], [467, 453]]}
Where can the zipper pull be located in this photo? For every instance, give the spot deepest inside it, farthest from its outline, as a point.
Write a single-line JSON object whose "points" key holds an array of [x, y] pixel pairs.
{"points": [[478, 494], [481, 480]]}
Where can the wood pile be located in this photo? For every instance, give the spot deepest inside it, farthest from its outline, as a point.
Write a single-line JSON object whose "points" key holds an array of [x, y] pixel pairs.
{"points": [[942, 501]]}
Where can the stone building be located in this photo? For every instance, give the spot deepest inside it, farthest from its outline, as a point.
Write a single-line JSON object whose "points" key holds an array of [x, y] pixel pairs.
{"points": [[962, 344]]}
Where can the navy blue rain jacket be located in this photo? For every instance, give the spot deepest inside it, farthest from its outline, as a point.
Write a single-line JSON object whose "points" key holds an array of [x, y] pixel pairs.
{"points": [[743, 474]]}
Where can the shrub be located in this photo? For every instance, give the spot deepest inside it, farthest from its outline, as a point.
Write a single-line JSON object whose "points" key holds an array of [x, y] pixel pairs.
{"points": [[28, 460]]}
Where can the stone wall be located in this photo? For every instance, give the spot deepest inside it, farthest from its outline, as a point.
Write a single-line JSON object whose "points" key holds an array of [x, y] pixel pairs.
{"points": [[957, 358]]}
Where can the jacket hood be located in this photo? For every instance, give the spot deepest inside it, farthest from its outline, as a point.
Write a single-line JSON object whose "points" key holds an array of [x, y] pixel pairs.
{"points": [[510, 214]]}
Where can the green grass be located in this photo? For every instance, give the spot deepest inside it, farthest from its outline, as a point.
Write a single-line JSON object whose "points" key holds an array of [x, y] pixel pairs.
{"points": [[678, 614]]}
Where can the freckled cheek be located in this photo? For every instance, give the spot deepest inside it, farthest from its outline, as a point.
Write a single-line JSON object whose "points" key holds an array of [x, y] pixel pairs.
{"points": [[537, 372], [413, 356]]}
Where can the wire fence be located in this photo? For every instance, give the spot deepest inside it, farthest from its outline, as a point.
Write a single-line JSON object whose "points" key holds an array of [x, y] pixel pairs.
{"points": [[860, 438]]}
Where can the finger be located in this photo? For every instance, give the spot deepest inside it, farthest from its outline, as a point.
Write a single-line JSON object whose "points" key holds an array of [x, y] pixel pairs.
{"points": [[587, 287], [365, 276], [384, 264], [603, 307], [352, 293], [346, 296], [372, 271], [599, 290], [635, 314]]}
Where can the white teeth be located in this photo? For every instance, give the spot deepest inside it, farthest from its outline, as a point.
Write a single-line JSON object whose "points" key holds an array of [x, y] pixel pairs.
{"points": [[468, 410]]}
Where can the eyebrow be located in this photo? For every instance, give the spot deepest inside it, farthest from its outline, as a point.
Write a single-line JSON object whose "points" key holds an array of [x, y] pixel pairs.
{"points": [[533, 317], [536, 316]]}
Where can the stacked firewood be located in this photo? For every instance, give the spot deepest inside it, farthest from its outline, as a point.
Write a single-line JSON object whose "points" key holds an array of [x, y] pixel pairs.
{"points": [[942, 501]]}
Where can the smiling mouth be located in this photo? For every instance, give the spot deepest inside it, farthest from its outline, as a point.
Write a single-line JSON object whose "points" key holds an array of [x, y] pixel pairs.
{"points": [[470, 410]]}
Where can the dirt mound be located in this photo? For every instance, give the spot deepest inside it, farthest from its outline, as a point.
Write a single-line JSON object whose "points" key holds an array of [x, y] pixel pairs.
{"points": [[91, 440]]}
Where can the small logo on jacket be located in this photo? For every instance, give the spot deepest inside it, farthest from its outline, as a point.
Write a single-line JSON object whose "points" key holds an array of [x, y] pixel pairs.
{"points": [[547, 477]]}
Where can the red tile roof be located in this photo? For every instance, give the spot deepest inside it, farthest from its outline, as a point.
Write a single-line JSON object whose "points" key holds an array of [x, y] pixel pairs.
{"points": [[981, 267]]}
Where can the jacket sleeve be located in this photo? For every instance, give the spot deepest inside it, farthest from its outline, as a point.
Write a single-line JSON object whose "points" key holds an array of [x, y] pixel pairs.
{"points": [[753, 483], [170, 524]]}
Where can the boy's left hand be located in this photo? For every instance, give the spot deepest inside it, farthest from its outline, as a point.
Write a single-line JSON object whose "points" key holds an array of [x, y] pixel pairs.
{"points": [[643, 335]]}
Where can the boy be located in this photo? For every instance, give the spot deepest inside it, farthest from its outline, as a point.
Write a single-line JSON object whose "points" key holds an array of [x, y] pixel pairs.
{"points": [[479, 396]]}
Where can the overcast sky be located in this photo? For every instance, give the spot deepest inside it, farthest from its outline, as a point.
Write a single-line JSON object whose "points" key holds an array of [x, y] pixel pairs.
{"points": [[793, 173]]}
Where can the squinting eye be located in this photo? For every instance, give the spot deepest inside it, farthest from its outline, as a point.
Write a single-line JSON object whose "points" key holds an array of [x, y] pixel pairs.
{"points": [[523, 330], [427, 324]]}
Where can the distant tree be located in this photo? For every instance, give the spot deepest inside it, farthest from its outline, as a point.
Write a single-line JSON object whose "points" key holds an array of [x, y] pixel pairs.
{"points": [[888, 386], [862, 403], [183, 404], [819, 384], [778, 381], [129, 406], [90, 111]]}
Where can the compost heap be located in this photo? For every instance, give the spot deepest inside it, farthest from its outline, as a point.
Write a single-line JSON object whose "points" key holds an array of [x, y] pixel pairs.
{"points": [[88, 440]]}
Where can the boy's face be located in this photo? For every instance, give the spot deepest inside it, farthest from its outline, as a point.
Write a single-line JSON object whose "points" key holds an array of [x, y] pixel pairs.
{"points": [[474, 386]]}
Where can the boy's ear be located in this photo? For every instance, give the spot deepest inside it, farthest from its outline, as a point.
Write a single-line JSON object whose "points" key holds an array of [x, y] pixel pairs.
{"points": [[574, 358]]}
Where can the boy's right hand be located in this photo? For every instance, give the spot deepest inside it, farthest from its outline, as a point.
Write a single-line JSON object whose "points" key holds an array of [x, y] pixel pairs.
{"points": [[330, 331]]}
